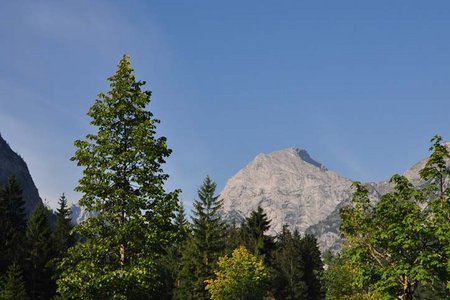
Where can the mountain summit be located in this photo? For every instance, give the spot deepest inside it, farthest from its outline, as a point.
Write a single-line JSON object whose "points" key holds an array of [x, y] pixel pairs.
{"points": [[289, 185]]}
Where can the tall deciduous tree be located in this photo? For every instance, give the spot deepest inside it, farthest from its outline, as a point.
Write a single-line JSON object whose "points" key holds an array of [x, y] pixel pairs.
{"points": [[123, 183], [400, 245], [436, 175], [206, 244]]}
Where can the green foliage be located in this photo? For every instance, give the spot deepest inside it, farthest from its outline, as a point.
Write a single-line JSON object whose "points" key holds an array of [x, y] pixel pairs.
{"points": [[312, 267], [14, 285], [205, 245], [12, 224], [234, 237], [297, 267], [253, 229], [401, 244], [171, 261], [242, 276], [340, 278], [181, 224], [39, 254], [62, 236], [436, 173], [123, 183], [288, 267]]}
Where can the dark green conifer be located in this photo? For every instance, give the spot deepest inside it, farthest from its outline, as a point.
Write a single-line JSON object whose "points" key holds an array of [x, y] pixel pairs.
{"points": [[170, 264], [62, 237], [288, 265], [14, 284], [253, 232], [234, 237], [12, 224], [39, 254], [206, 244], [312, 268]]}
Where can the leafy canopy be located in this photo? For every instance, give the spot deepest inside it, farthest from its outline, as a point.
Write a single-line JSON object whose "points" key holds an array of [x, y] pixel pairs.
{"points": [[401, 245], [242, 276]]}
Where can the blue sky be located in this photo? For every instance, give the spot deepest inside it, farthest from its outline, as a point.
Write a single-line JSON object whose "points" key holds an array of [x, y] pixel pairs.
{"points": [[361, 85]]}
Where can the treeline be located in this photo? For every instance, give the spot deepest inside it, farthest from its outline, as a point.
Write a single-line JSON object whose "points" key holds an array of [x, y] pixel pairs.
{"points": [[216, 260], [207, 259]]}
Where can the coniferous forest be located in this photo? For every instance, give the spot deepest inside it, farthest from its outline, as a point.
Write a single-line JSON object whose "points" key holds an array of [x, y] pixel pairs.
{"points": [[140, 242]]}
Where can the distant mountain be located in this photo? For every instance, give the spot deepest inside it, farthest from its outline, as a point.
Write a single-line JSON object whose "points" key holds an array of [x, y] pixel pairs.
{"points": [[296, 190], [12, 164], [290, 186], [79, 214]]}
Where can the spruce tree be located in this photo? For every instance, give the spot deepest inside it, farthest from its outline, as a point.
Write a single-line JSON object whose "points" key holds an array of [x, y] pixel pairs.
{"points": [[181, 223], [170, 263], [206, 244], [39, 253], [62, 236], [12, 224], [123, 183], [312, 267], [14, 284], [288, 265], [234, 237], [253, 232]]}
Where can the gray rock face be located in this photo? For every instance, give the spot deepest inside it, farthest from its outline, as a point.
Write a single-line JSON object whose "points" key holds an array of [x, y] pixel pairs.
{"points": [[79, 214], [290, 186], [296, 190], [12, 164], [327, 230]]}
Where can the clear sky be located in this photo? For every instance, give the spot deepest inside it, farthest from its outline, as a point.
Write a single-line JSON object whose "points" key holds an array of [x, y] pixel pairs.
{"points": [[361, 85]]}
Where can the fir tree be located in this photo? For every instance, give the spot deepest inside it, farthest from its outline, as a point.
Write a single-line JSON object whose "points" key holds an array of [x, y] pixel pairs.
{"points": [[234, 237], [312, 267], [253, 232], [171, 262], [181, 223], [288, 267], [12, 223], [14, 285], [206, 244], [39, 254], [123, 183], [62, 237]]}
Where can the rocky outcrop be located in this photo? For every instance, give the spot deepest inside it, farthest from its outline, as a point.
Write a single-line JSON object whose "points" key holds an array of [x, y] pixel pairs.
{"points": [[12, 164]]}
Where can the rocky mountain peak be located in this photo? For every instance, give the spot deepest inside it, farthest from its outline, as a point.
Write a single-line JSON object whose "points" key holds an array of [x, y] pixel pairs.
{"points": [[293, 189]]}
